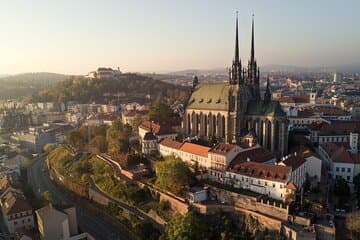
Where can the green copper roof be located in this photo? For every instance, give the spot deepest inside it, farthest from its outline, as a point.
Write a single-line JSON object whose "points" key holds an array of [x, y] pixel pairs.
{"points": [[210, 96], [261, 108]]}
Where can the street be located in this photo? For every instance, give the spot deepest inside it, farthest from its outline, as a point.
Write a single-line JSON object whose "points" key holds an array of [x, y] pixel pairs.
{"points": [[99, 226]]}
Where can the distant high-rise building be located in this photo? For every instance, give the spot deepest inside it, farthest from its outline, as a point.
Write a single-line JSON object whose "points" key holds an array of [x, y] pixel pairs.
{"points": [[337, 77]]}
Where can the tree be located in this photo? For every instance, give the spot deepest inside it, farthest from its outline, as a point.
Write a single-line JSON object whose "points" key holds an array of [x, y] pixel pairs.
{"points": [[357, 188], [75, 139], [48, 148], [98, 143], [186, 227], [145, 231], [341, 188], [174, 175], [48, 197], [353, 224], [342, 191], [160, 111]]}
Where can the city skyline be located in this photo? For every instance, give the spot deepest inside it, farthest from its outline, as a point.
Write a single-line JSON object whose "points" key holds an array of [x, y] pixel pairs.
{"points": [[74, 38]]}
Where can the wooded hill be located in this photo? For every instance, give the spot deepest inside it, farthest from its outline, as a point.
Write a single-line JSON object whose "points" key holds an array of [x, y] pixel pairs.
{"points": [[20, 85], [126, 88]]}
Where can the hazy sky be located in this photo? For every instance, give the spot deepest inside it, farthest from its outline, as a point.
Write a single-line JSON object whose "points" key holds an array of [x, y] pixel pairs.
{"points": [[76, 36]]}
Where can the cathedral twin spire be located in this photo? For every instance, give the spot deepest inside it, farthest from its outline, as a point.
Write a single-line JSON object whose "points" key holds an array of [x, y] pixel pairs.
{"points": [[237, 74]]}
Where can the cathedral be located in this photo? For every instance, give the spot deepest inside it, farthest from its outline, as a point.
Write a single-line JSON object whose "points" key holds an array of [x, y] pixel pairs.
{"points": [[233, 111]]}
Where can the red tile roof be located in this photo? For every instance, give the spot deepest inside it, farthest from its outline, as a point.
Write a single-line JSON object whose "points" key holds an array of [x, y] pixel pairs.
{"points": [[339, 153], [291, 186], [261, 170], [168, 142], [294, 99], [195, 149], [336, 127], [294, 161], [156, 128], [14, 203], [326, 110], [223, 148], [259, 155]]}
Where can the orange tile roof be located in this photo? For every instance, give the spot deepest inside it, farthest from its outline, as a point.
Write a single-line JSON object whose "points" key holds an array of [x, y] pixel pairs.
{"points": [[336, 127], [294, 161], [168, 142], [156, 128], [262, 170], [14, 203], [222, 148], [295, 99], [259, 155], [195, 149], [291, 186], [339, 153]]}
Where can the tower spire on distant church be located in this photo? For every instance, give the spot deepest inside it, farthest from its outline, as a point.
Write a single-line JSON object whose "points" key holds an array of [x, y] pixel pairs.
{"points": [[235, 73], [252, 41], [237, 57], [267, 95]]}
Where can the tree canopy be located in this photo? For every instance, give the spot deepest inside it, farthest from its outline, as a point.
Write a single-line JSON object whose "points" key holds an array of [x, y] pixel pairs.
{"points": [[160, 111], [186, 227], [174, 175], [128, 88]]}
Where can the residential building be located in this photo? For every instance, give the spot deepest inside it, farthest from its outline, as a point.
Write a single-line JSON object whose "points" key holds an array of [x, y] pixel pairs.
{"points": [[59, 222], [298, 168], [16, 211], [341, 161], [149, 144], [335, 131], [271, 180]]}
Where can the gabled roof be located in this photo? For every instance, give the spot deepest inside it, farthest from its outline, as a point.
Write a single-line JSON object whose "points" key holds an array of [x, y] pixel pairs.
{"points": [[295, 99], [291, 186], [259, 155], [340, 154], [212, 96], [261, 170], [222, 148], [14, 202], [50, 214], [195, 149], [261, 108], [156, 128], [336, 127], [168, 142], [294, 162]]}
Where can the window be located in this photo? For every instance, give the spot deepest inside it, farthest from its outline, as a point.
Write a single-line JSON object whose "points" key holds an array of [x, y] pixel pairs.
{"points": [[280, 185], [259, 182], [265, 183], [337, 169], [273, 184], [348, 170], [343, 169], [348, 178]]}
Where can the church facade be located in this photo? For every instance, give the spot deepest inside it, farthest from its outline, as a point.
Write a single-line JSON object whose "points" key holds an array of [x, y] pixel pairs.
{"points": [[234, 111]]}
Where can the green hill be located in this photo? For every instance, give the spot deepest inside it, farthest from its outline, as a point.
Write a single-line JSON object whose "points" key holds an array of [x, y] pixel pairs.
{"points": [[20, 85], [128, 87]]}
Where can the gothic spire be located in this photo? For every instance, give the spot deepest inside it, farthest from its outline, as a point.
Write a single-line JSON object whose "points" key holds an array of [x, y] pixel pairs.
{"points": [[267, 95], [252, 41], [237, 58]]}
